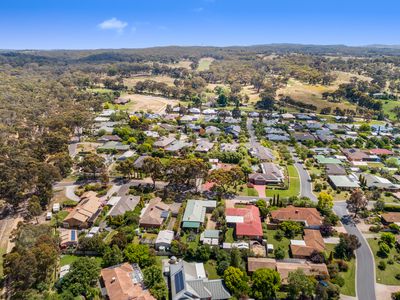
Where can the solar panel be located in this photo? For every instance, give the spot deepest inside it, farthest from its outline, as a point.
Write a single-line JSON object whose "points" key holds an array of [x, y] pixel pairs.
{"points": [[179, 284], [73, 235]]}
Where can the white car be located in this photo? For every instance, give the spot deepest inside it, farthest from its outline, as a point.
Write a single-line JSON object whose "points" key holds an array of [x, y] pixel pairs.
{"points": [[48, 216]]}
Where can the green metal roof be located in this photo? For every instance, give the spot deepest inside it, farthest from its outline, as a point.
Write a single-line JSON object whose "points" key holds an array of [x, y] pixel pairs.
{"points": [[327, 160], [189, 224]]}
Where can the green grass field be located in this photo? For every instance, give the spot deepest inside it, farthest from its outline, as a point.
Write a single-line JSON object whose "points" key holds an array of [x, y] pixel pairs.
{"points": [[386, 276], [204, 63], [248, 191], [349, 277], [229, 235], [284, 243], [69, 259], [388, 105], [211, 269], [294, 186]]}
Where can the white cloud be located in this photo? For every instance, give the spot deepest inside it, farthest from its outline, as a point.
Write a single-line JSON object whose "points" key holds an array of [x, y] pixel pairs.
{"points": [[113, 24]]}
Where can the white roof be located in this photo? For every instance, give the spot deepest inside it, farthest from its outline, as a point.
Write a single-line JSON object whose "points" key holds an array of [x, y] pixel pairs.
{"points": [[234, 219], [270, 246], [298, 242], [200, 271], [113, 200], [165, 236]]}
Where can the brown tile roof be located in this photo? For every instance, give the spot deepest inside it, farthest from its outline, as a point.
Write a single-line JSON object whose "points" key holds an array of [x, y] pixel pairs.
{"points": [[85, 209], [299, 214], [152, 214], [355, 154], [118, 281], [391, 217], [284, 268], [314, 239], [255, 263], [310, 269]]}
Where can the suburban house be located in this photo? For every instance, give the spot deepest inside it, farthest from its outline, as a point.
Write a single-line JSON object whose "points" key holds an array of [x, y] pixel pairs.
{"points": [[228, 147], [391, 218], [195, 213], [377, 182], [163, 142], [355, 154], [107, 138], [210, 237], [322, 160], [154, 214], [123, 282], [203, 146], [380, 152], [164, 239], [120, 205], [262, 153], [177, 146], [246, 221], [313, 241], [309, 216], [285, 267], [342, 182], [303, 136], [334, 169], [278, 137], [233, 130], [113, 146], [138, 164], [271, 174], [189, 281], [84, 214], [68, 238]]}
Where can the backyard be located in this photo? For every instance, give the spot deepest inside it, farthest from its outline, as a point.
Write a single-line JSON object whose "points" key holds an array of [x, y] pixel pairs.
{"points": [[69, 259], [284, 242]]}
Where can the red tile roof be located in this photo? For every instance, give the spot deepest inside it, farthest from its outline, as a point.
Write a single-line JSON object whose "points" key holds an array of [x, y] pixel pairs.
{"points": [[251, 225], [381, 151]]}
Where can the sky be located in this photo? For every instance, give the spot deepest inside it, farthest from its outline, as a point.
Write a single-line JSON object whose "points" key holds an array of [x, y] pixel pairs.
{"points": [[94, 24]]}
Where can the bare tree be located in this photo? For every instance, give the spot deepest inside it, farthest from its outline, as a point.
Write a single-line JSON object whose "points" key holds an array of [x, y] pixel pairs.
{"points": [[357, 201]]}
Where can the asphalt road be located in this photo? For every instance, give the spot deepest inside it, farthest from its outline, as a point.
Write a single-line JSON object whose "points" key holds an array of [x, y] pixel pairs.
{"points": [[365, 261]]}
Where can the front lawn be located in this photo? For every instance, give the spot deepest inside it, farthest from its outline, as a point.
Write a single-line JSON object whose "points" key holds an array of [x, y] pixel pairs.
{"points": [[349, 277], [294, 185], [386, 276]]}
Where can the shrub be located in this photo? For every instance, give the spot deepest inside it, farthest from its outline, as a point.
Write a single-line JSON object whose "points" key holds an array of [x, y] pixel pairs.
{"points": [[279, 253], [375, 228], [384, 250], [390, 261], [339, 280], [343, 266], [398, 278], [382, 265], [278, 235], [388, 238]]}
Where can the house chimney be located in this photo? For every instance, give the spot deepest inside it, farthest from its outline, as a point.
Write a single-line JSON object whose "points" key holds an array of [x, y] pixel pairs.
{"points": [[112, 279], [296, 211]]}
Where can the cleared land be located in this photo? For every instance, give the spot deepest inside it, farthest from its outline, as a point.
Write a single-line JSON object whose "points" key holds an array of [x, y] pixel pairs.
{"points": [[131, 82], [204, 63], [140, 102], [311, 94]]}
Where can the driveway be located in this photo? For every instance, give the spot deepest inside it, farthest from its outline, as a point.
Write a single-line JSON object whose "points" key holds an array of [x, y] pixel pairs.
{"points": [[365, 272], [305, 180], [260, 190]]}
